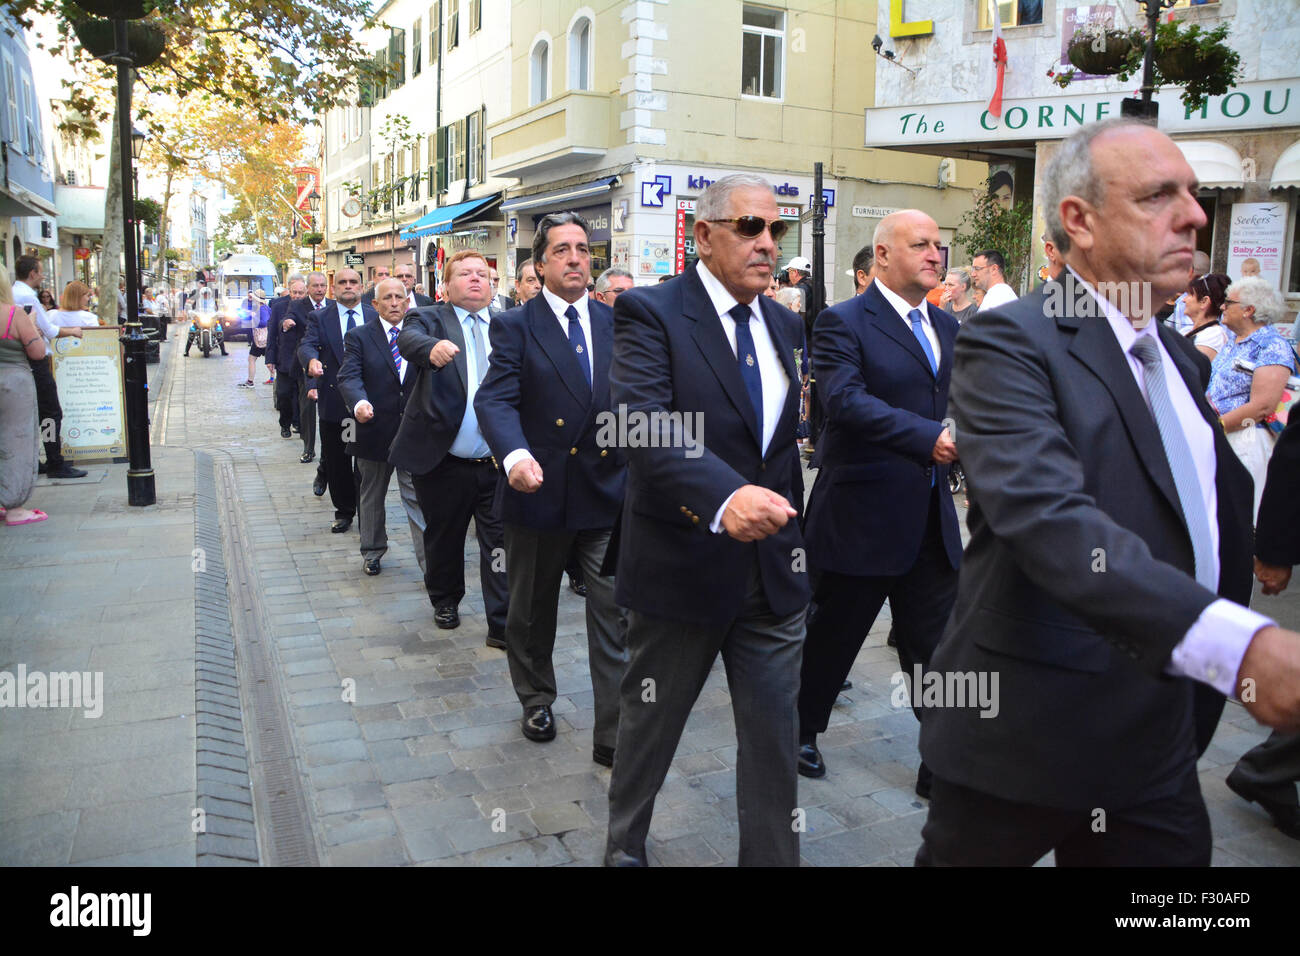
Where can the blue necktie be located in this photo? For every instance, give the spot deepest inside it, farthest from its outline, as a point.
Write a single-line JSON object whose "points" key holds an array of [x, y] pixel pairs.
{"points": [[392, 344], [1186, 480], [579, 342], [352, 319], [747, 360], [919, 331]]}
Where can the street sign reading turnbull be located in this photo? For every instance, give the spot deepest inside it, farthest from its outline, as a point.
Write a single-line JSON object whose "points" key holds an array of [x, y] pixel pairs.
{"points": [[1248, 106]]}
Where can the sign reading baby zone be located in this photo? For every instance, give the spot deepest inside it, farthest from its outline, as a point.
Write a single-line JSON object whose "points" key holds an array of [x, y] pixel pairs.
{"points": [[88, 371], [1256, 237]]}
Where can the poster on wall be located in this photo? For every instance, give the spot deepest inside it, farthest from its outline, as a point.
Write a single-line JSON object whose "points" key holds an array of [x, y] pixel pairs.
{"points": [[88, 372], [621, 254], [1256, 238], [656, 257]]}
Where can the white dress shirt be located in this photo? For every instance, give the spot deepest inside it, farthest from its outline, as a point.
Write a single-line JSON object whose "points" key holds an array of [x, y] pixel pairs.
{"points": [[1000, 294], [1212, 649], [558, 306], [25, 295], [357, 317], [902, 308], [776, 383]]}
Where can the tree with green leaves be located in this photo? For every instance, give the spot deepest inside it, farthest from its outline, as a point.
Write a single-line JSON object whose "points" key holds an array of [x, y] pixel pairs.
{"points": [[275, 60], [990, 224]]}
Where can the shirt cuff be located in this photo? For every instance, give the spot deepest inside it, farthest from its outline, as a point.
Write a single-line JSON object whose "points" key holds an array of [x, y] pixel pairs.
{"points": [[514, 458], [1212, 649], [716, 524]]}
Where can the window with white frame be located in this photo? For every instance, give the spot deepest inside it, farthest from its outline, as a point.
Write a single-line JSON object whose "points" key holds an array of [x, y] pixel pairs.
{"points": [[31, 119], [580, 55], [453, 24], [762, 60], [356, 122], [417, 38], [539, 72], [473, 123], [11, 103], [475, 16]]}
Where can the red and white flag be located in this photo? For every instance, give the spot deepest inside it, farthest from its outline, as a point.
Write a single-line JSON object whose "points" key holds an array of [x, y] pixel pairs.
{"points": [[999, 60]]}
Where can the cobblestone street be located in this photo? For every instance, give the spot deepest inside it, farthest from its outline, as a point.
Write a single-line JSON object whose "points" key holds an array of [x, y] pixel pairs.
{"points": [[358, 733]]}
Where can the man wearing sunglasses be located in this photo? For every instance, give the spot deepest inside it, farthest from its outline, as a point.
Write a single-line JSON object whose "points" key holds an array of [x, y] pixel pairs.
{"points": [[711, 557]]}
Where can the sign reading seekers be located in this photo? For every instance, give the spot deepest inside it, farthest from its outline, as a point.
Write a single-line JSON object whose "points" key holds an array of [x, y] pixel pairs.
{"points": [[88, 372], [1257, 231]]}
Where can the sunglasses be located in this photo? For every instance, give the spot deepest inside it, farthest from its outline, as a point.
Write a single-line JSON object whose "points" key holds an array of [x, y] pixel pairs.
{"points": [[751, 227]]}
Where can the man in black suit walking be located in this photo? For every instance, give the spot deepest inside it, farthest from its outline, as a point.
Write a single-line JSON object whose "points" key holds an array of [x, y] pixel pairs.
{"points": [[282, 349], [321, 354], [881, 522], [541, 408], [711, 558], [439, 442], [406, 273], [1099, 619], [373, 384], [295, 324], [1268, 774]]}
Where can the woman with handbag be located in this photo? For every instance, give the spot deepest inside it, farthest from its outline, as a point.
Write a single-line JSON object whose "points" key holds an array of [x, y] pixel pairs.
{"points": [[1245, 399], [259, 314], [19, 341]]}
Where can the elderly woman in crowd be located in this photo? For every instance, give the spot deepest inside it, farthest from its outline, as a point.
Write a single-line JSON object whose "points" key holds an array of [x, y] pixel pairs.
{"points": [[1203, 306], [1243, 398], [19, 341]]}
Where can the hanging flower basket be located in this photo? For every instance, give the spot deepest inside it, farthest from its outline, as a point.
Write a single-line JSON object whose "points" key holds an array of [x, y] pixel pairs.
{"points": [[145, 40], [312, 239], [1103, 52], [117, 9]]}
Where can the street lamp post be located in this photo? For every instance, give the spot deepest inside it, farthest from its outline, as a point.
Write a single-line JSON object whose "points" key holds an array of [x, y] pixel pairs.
{"points": [[137, 148], [313, 203]]}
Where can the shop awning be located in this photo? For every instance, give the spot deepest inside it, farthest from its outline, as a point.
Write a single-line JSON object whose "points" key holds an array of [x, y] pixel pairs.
{"points": [[443, 219], [1286, 171], [560, 197], [1217, 165]]}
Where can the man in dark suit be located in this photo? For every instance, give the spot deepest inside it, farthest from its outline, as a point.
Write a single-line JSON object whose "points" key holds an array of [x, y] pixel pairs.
{"points": [[281, 350], [295, 323], [406, 273], [439, 442], [373, 385], [1109, 558], [881, 522], [321, 354], [540, 407], [710, 557], [1268, 774]]}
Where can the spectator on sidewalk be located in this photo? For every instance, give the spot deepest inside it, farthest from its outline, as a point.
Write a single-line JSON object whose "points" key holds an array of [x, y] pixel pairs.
{"points": [[988, 269], [1204, 307], [956, 299], [74, 308], [19, 343], [28, 271], [259, 314]]}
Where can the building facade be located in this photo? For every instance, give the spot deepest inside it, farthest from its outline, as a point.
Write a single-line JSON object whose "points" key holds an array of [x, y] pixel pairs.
{"points": [[28, 214], [1244, 145]]}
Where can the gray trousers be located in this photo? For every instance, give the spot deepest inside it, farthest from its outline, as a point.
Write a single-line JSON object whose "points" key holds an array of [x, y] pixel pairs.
{"points": [[306, 416], [373, 478], [670, 661], [18, 433], [1273, 767], [535, 563]]}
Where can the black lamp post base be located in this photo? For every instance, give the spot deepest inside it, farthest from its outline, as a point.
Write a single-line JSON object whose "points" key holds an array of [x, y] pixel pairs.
{"points": [[1139, 109], [139, 488]]}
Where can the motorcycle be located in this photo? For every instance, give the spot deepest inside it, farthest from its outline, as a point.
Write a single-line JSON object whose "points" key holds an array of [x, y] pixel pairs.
{"points": [[205, 330]]}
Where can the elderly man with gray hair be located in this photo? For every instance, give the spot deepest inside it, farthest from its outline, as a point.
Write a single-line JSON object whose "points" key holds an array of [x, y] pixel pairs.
{"points": [[1109, 565], [612, 283]]}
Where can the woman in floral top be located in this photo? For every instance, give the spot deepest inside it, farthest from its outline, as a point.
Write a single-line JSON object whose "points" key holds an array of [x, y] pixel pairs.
{"points": [[1244, 400]]}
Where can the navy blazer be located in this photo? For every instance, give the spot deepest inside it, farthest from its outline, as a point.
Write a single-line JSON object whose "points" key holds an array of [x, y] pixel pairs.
{"points": [[671, 354], [323, 340], [436, 397], [884, 410], [370, 374], [1078, 580], [536, 397]]}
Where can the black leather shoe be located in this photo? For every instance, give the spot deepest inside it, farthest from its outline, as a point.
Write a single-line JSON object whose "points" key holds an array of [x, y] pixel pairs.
{"points": [[847, 685], [603, 755], [538, 724], [318, 488], [578, 587], [340, 525], [65, 471], [810, 762], [1286, 817], [307, 457], [446, 618], [496, 640], [891, 641], [296, 430], [285, 433], [372, 566], [622, 858]]}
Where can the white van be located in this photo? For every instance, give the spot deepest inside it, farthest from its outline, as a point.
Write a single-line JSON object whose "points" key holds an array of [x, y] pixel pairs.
{"points": [[239, 275]]}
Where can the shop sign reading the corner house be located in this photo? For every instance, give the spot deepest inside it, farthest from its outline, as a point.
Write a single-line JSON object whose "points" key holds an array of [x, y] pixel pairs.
{"points": [[1248, 106]]}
